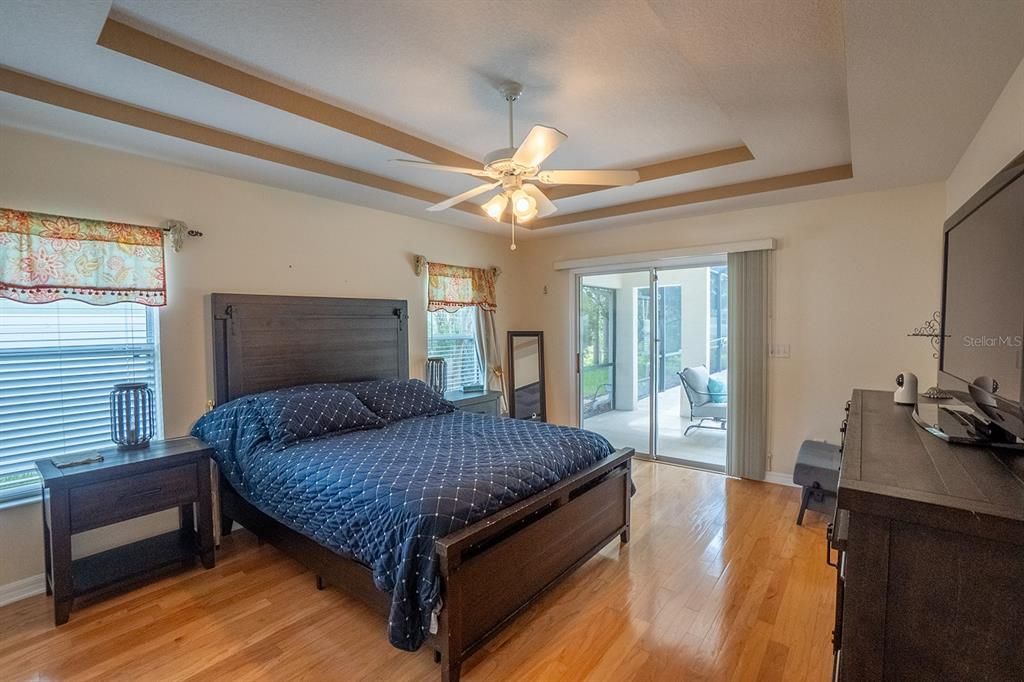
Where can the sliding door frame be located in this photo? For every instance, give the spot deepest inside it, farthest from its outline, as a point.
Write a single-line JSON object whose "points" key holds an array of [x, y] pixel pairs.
{"points": [[652, 365], [702, 259], [704, 262]]}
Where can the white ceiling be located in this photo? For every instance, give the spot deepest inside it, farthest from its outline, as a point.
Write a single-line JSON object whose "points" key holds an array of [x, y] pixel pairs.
{"points": [[922, 75], [898, 87]]}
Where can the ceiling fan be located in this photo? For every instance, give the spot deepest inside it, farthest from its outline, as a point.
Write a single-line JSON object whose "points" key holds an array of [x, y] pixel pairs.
{"points": [[513, 172]]}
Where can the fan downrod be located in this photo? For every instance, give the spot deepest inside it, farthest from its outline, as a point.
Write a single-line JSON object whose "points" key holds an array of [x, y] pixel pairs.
{"points": [[500, 161]]}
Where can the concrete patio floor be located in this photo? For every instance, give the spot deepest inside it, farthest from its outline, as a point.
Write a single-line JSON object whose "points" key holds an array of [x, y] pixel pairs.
{"points": [[630, 429]]}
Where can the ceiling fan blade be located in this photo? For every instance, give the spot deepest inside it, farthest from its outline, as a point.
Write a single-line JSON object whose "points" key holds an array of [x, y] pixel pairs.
{"points": [[538, 145], [544, 205], [611, 178], [424, 165], [476, 191]]}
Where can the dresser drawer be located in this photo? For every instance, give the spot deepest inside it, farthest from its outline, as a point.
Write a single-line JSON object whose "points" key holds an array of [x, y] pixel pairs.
{"points": [[98, 504]]}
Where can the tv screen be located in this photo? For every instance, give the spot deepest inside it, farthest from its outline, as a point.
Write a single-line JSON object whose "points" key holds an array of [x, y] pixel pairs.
{"points": [[983, 310]]}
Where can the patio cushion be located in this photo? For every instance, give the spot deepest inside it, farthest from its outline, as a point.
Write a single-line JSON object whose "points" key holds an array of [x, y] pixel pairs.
{"points": [[817, 462], [714, 411], [696, 378], [717, 388]]}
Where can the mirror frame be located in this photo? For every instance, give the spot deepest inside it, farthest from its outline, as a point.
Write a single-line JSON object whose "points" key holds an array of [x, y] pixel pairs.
{"points": [[542, 414]]}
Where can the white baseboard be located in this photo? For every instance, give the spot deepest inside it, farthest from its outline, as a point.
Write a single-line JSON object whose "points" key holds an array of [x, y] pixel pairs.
{"points": [[20, 589], [780, 478]]}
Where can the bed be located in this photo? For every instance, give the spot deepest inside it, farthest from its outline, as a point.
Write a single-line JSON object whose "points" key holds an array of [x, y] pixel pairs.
{"points": [[513, 505]]}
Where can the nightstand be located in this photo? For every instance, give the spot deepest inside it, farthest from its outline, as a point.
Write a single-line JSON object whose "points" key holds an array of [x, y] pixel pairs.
{"points": [[125, 485], [484, 402]]}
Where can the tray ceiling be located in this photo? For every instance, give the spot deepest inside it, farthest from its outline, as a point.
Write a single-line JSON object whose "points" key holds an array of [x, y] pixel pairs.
{"points": [[632, 83]]}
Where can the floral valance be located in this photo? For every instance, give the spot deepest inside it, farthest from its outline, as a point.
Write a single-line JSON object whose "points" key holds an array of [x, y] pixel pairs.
{"points": [[451, 287], [47, 257]]}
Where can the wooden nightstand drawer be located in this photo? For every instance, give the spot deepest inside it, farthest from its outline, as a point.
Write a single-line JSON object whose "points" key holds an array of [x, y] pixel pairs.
{"points": [[99, 504], [481, 402], [483, 407]]}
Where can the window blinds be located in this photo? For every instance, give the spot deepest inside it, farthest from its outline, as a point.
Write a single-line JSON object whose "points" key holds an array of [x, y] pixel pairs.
{"points": [[58, 363], [452, 336]]}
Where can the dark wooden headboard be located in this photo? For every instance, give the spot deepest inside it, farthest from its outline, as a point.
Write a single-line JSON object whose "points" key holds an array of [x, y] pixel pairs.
{"points": [[266, 342]]}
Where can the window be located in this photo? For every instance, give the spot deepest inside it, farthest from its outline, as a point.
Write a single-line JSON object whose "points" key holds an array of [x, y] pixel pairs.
{"points": [[58, 363], [452, 336], [718, 332]]}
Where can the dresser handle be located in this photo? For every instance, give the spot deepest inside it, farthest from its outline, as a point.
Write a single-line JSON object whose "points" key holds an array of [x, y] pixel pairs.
{"points": [[828, 546], [836, 537], [141, 493]]}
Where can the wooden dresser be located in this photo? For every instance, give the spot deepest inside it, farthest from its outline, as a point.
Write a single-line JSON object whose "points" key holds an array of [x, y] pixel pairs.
{"points": [[930, 540]]}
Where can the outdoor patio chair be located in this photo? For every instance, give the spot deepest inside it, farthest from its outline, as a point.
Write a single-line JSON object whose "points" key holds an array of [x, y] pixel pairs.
{"points": [[704, 405]]}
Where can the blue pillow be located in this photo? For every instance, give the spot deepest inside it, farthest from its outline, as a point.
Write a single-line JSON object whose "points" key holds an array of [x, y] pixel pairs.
{"points": [[394, 400], [294, 415], [717, 389], [235, 431]]}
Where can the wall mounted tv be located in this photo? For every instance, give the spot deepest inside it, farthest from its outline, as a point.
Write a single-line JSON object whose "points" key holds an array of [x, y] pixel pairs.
{"points": [[980, 356]]}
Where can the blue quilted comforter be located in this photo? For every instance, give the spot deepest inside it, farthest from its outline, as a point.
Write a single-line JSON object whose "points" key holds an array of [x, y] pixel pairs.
{"points": [[383, 496]]}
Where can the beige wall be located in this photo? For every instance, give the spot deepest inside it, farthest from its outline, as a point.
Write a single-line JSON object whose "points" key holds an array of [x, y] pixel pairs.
{"points": [[853, 275], [998, 141], [257, 240], [21, 546]]}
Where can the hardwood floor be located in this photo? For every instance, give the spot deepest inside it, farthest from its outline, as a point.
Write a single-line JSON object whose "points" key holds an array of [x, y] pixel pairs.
{"points": [[718, 583]]}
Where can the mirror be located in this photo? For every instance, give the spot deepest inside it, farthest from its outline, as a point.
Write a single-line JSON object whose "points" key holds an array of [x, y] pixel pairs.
{"points": [[526, 376]]}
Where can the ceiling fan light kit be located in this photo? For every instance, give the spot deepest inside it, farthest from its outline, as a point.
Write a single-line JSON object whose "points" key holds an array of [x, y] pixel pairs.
{"points": [[495, 206], [515, 169], [523, 205]]}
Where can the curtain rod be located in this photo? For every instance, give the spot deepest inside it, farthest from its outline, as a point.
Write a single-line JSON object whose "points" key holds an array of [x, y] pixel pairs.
{"points": [[419, 264], [178, 230]]}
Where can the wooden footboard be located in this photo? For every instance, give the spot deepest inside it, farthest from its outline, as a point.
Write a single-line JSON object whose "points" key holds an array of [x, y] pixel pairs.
{"points": [[497, 567], [492, 570]]}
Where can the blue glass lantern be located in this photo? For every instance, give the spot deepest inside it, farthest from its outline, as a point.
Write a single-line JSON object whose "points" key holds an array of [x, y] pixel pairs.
{"points": [[132, 425]]}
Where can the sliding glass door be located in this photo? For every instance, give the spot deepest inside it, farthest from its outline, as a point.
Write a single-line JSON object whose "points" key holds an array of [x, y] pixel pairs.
{"points": [[652, 368], [691, 402], [614, 357]]}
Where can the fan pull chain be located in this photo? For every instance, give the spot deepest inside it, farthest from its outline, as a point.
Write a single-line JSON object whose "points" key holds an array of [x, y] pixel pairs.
{"points": [[513, 246]]}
